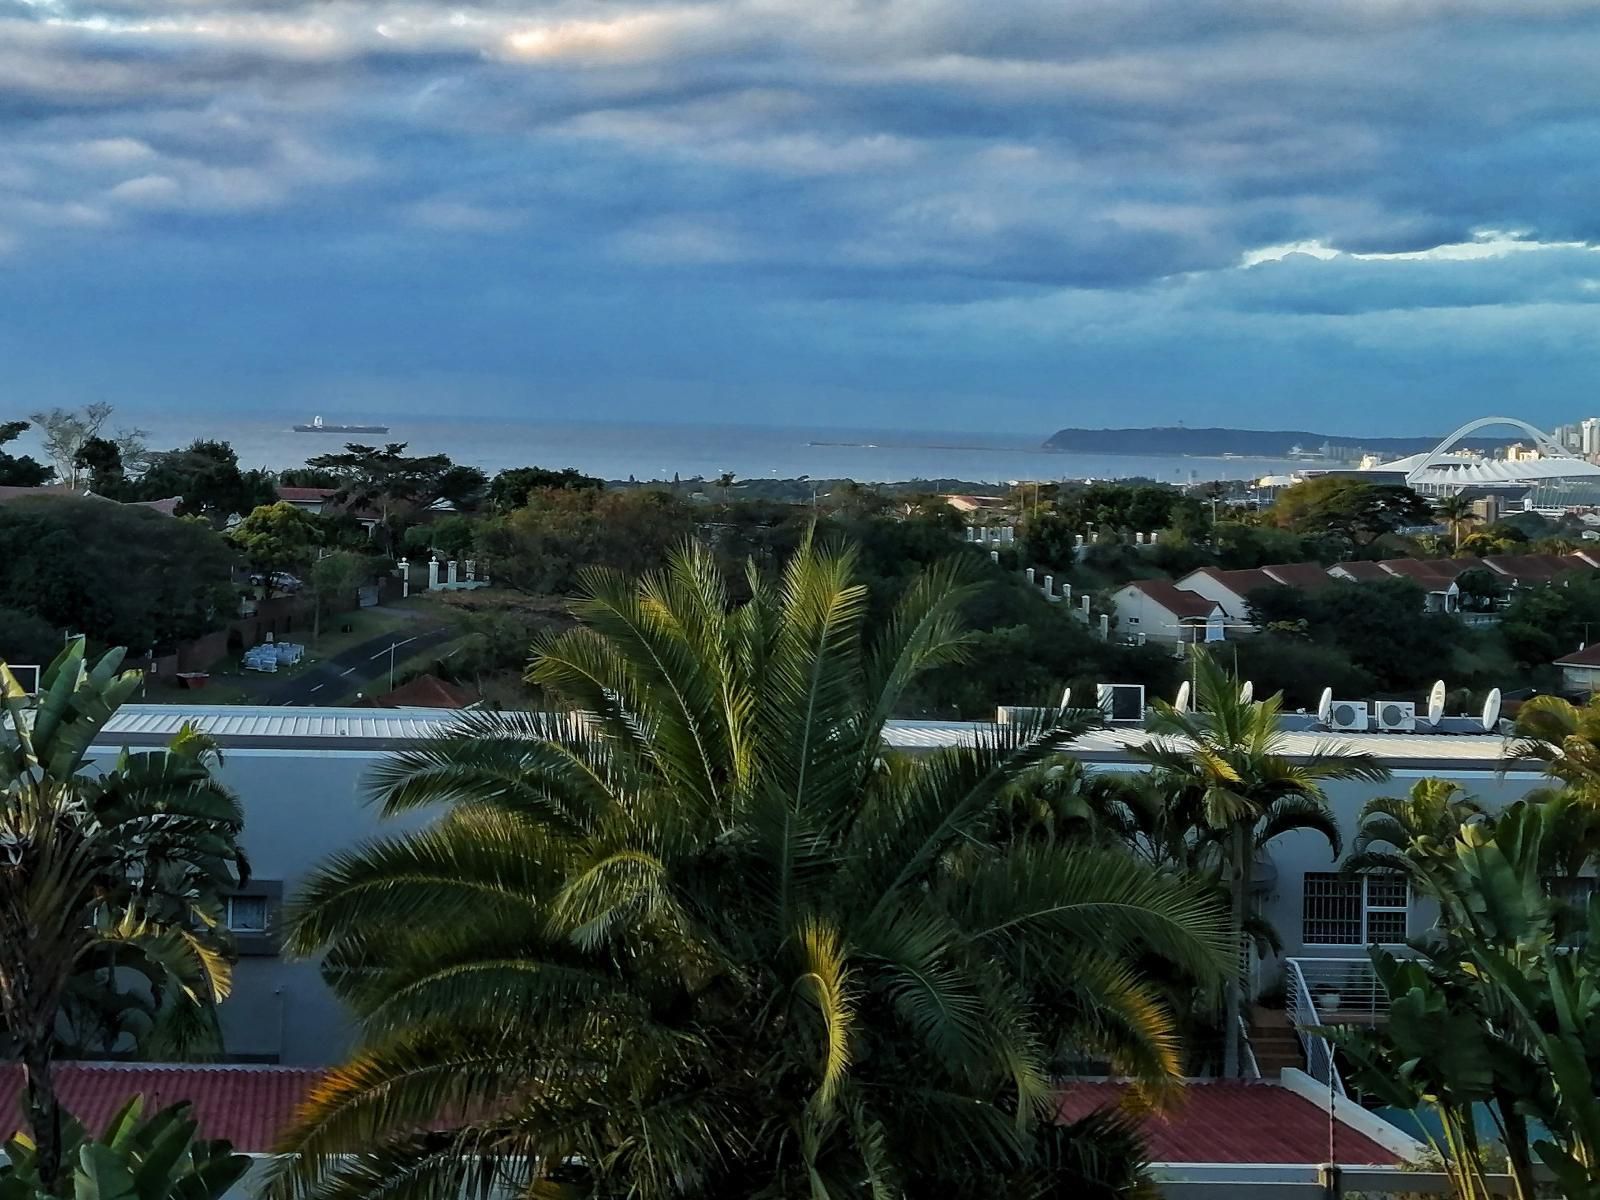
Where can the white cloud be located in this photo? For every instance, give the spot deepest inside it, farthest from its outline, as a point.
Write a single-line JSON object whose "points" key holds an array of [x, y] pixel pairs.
{"points": [[156, 191]]}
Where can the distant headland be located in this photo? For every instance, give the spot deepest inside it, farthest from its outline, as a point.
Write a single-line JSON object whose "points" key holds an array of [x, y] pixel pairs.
{"points": [[1216, 442]]}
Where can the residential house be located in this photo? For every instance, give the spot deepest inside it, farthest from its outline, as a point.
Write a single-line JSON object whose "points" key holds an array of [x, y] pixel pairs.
{"points": [[308, 499], [1307, 576], [1535, 570], [1580, 670], [1155, 610], [1231, 589], [1440, 591], [1358, 571]]}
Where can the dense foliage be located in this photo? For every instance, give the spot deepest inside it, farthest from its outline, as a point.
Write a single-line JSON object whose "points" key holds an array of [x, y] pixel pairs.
{"points": [[716, 940], [132, 1159], [111, 886], [1353, 511], [122, 575], [1498, 1011]]}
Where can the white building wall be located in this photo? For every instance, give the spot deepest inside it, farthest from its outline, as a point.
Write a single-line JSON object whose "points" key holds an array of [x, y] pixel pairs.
{"points": [[1137, 613]]}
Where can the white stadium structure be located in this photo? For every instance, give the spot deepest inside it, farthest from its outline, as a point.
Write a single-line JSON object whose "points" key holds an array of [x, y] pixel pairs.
{"points": [[1441, 473]]}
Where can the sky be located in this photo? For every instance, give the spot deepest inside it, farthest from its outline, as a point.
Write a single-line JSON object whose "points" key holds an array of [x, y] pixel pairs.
{"points": [[1351, 216]]}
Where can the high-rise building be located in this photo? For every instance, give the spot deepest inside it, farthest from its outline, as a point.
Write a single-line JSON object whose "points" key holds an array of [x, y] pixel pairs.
{"points": [[1590, 436]]}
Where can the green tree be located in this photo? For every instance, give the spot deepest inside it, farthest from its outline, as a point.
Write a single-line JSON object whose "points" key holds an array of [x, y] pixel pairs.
{"points": [[277, 537], [123, 575], [66, 432], [715, 940], [1352, 510], [19, 470], [111, 871], [1396, 833], [1497, 1012], [134, 1159], [544, 546], [1227, 755], [394, 484], [205, 474], [333, 578], [1458, 514], [101, 459], [509, 490]]}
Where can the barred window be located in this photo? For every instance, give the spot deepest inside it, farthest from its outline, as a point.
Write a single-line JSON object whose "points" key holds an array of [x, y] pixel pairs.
{"points": [[1339, 910], [247, 914]]}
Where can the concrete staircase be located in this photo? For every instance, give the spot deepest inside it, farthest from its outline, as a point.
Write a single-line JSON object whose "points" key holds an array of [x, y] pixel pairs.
{"points": [[1274, 1041]]}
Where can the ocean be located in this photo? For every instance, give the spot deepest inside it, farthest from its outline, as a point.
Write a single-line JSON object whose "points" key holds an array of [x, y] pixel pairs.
{"points": [[660, 451]]}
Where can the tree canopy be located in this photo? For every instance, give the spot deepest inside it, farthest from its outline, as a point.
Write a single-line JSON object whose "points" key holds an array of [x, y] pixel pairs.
{"points": [[714, 940], [121, 574], [19, 470], [1354, 510], [277, 537]]}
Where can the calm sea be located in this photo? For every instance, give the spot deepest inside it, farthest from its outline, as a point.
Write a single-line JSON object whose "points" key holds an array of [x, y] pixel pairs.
{"points": [[647, 451]]}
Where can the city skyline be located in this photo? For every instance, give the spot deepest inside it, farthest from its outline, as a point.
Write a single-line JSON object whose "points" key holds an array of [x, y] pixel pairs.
{"points": [[1359, 218]]}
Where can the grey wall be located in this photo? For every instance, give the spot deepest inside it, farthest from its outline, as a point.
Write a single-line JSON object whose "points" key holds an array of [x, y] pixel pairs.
{"points": [[300, 806], [303, 804]]}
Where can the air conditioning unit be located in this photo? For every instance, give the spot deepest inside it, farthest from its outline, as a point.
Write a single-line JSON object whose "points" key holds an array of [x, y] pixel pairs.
{"points": [[1395, 716], [1121, 701], [1350, 716]]}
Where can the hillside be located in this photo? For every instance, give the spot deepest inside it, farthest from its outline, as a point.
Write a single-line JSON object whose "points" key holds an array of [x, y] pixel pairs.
{"points": [[1213, 441]]}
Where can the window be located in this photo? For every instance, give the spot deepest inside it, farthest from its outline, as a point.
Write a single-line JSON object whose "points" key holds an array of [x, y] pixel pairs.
{"points": [[247, 914], [1343, 911]]}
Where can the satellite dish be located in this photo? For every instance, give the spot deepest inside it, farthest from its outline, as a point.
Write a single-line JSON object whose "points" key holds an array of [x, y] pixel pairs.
{"points": [[1247, 693], [1182, 703], [1436, 703], [1325, 706], [1491, 710]]}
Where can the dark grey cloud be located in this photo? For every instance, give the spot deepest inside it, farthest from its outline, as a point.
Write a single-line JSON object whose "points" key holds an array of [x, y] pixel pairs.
{"points": [[1067, 184]]}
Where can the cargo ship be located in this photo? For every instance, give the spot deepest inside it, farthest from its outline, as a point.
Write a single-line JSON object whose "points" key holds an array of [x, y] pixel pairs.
{"points": [[318, 425]]}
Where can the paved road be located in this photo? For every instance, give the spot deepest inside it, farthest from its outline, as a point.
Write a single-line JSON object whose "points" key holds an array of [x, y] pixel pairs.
{"points": [[367, 662]]}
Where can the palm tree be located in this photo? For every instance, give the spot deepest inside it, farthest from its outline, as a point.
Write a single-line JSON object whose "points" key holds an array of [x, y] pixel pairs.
{"points": [[1226, 759], [703, 935], [1458, 513], [1562, 736], [103, 874], [1397, 833]]}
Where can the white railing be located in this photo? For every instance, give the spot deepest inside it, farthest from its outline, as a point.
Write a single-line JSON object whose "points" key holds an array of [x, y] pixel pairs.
{"points": [[1247, 1052], [1303, 1015], [1343, 991]]}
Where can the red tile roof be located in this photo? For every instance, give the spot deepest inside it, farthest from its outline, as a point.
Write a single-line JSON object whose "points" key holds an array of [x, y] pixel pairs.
{"points": [[1306, 576], [1240, 583], [425, 691], [248, 1105], [1361, 570], [1177, 601], [1583, 656], [306, 495], [1418, 572], [1233, 1122]]}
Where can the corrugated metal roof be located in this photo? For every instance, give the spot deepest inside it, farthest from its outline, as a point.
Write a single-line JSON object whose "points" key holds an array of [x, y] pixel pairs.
{"points": [[248, 1105], [365, 728], [1227, 1121]]}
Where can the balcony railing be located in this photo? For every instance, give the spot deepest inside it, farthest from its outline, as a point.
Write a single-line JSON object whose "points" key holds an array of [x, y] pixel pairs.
{"points": [[1331, 991]]}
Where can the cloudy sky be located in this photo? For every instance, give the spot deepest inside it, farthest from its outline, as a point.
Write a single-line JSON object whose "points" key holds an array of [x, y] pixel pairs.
{"points": [[1343, 215]]}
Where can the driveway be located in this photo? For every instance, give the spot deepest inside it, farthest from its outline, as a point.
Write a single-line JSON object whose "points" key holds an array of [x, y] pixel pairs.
{"points": [[348, 670]]}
